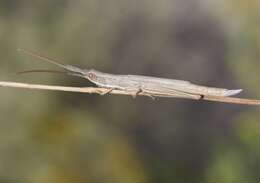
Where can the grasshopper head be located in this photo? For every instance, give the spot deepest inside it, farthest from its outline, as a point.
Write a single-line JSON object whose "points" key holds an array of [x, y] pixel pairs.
{"points": [[90, 75]]}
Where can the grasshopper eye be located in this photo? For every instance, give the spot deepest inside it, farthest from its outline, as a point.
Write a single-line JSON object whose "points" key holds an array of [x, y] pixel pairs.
{"points": [[92, 76]]}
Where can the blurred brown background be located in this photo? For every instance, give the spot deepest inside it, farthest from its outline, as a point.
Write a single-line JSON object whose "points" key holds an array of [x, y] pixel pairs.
{"points": [[67, 137]]}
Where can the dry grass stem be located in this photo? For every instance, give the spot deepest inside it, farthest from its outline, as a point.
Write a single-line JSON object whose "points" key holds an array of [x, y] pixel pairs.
{"points": [[101, 91]]}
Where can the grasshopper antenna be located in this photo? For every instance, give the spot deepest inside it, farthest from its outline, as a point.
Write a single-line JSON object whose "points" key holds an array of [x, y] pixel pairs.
{"points": [[49, 71], [40, 70], [53, 61]]}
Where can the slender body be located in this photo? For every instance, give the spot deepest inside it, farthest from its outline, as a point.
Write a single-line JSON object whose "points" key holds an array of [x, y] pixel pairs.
{"points": [[151, 86], [155, 86]]}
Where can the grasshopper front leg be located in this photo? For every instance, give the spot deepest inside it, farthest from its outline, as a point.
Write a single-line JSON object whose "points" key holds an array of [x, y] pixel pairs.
{"points": [[107, 92]]}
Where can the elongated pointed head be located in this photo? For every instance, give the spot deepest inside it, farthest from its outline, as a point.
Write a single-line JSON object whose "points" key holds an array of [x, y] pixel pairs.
{"points": [[72, 69]]}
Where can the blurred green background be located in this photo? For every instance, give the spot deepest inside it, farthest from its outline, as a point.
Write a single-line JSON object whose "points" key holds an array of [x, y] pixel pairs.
{"points": [[67, 137]]}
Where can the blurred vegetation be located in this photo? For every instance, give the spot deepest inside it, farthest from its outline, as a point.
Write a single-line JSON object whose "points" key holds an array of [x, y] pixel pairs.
{"points": [[68, 137]]}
